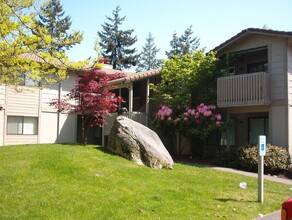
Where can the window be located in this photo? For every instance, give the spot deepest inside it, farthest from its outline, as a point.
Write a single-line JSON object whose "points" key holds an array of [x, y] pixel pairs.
{"points": [[223, 140], [258, 126], [22, 125], [26, 80], [257, 67]]}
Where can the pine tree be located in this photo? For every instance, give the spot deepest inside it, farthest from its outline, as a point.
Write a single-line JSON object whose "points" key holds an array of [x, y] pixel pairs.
{"points": [[175, 46], [116, 43], [188, 43], [184, 44], [148, 58], [52, 17]]}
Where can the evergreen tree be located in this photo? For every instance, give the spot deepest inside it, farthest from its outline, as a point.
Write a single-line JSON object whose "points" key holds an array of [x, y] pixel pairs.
{"points": [[184, 44], [175, 46], [116, 43], [148, 58], [188, 44], [52, 17]]}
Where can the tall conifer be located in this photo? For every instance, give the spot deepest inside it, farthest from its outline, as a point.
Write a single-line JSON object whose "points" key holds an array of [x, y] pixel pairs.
{"points": [[116, 43], [53, 18], [148, 58], [184, 44]]}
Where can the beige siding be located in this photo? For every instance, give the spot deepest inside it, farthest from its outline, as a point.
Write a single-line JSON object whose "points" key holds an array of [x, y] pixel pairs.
{"points": [[49, 94], [2, 95], [68, 128], [290, 130], [278, 71], [69, 83], [289, 70], [278, 125], [20, 139], [2, 122], [22, 102], [48, 127], [25, 101], [277, 61]]}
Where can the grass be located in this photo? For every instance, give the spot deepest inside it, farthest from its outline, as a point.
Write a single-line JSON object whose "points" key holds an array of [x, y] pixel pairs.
{"points": [[77, 182]]}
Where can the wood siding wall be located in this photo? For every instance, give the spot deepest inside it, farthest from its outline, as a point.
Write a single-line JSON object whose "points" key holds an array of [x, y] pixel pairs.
{"points": [[280, 72], [33, 102]]}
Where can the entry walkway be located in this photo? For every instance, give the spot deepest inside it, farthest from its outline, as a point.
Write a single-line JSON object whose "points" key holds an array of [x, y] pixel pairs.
{"points": [[272, 216], [267, 177]]}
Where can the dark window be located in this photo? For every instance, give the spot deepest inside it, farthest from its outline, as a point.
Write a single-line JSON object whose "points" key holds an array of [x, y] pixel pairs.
{"points": [[256, 127], [257, 67]]}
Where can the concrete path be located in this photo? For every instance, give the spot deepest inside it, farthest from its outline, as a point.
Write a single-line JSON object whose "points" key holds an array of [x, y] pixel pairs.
{"points": [[273, 216], [266, 177]]}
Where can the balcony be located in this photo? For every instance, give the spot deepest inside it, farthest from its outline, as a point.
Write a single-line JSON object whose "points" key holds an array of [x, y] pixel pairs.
{"points": [[243, 90]]}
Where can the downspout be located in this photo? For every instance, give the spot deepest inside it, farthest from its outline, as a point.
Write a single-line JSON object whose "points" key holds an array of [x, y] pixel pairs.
{"points": [[59, 113], [40, 116]]}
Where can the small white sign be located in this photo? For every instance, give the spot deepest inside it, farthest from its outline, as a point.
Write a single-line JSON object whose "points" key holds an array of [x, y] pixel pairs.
{"points": [[262, 145]]}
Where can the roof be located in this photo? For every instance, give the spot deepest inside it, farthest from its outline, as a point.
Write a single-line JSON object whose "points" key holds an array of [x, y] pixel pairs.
{"points": [[249, 31], [136, 76], [34, 57]]}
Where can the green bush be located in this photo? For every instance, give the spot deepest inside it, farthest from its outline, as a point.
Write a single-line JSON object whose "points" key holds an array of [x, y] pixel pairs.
{"points": [[276, 159], [227, 159]]}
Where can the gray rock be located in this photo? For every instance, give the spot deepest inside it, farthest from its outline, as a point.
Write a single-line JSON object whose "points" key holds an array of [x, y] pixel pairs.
{"points": [[138, 143]]}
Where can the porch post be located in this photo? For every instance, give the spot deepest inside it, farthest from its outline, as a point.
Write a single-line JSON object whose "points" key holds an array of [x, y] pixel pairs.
{"points": [[147, 102], [130, 98], [228, 132], [102, 137]]}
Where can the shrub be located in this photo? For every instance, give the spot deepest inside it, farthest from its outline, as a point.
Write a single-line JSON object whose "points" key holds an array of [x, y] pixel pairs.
{"points": [[227, 159], [276, 159]]}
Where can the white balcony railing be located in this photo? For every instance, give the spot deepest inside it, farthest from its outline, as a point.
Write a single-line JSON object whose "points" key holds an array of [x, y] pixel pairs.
{"points": [[243, 90], [136, 116]]}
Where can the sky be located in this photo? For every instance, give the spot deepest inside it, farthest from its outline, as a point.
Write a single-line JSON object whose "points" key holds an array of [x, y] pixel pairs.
{"points": [[212, 21]]}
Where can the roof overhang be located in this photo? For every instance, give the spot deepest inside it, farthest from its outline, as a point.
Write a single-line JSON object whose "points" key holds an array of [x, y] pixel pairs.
{"points": [[251, 31]]}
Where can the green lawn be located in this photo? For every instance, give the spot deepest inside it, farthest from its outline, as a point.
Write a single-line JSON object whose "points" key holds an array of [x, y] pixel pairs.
{"points": [[77, 182]]}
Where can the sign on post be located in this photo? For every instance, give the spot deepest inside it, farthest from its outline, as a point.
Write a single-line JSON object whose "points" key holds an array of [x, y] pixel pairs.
{"points": [[262, 153], [262, 145]]}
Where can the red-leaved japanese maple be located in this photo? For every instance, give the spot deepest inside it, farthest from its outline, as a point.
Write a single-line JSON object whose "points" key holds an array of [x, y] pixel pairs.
{"points": [[91, 98]]}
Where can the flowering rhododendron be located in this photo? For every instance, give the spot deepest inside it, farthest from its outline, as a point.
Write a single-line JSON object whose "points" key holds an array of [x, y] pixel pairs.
{"points": [[199, 121]]}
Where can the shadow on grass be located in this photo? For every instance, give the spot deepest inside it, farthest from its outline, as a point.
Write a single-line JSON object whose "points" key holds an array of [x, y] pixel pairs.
{"points": [[234, 200], [195, 164]]}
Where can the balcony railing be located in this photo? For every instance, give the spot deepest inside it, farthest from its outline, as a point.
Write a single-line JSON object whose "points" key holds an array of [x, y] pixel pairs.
{"points": [[243, 90], [140, 117]]}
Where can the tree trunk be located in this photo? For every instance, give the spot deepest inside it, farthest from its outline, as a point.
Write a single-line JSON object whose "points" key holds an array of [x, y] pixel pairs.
{"points": [[84, 136]]}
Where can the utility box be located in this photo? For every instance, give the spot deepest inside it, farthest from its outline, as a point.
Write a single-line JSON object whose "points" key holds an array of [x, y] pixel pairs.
{"points": [[286, 212]]}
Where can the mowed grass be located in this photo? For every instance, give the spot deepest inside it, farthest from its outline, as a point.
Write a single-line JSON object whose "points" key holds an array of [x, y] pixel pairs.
{"points": [[77, 182]]}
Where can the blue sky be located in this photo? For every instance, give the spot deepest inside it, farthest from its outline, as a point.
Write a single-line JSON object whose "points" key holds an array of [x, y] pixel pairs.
{"points": [[213, 21]]}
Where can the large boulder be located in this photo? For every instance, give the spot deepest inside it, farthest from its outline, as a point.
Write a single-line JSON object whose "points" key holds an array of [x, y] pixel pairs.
{"points": [[138, 143]]}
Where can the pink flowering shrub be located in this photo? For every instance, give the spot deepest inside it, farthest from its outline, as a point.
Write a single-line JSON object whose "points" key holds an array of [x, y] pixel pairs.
{"points": [[199, 121]]}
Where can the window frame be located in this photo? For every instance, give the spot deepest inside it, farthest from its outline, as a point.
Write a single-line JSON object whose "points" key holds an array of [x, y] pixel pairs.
{"points": [[265, 128], [22, 123]]}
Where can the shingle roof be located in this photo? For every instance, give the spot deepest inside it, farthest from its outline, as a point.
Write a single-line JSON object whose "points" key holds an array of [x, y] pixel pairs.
{"points": [[249, 31], [34, 57], [136, 76]]}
